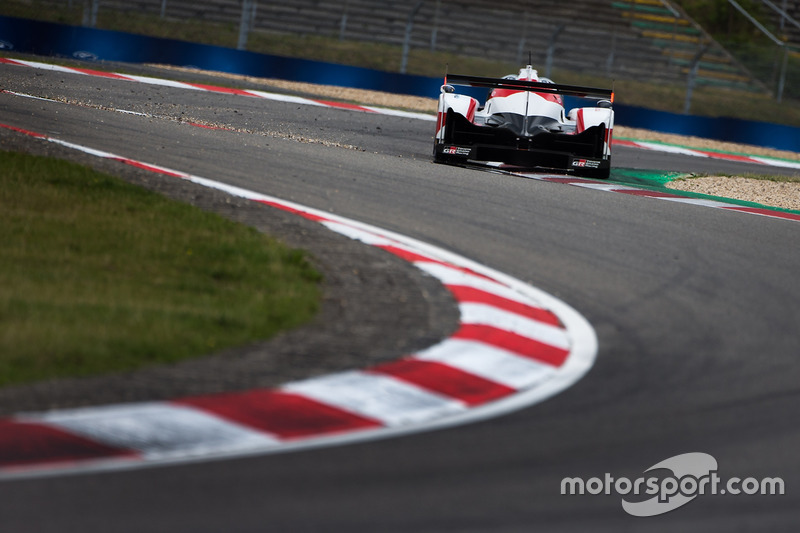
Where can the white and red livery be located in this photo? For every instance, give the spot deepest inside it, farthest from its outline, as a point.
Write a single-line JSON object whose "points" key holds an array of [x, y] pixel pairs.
{"points": [[524, 123]]}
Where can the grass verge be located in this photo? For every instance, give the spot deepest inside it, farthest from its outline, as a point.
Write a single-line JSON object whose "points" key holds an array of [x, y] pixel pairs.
{"points": [[99, 276]]}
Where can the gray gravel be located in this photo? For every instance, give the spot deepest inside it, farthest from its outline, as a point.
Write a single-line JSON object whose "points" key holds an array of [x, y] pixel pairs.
{"points": [[765, 192]]}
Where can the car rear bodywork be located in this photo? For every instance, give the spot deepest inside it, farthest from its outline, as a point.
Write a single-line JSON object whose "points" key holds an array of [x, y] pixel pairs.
{"points": [[524, 123]]}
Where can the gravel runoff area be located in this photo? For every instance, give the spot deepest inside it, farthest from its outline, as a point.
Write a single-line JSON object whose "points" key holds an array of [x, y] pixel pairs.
{"points": [[782, 194]]}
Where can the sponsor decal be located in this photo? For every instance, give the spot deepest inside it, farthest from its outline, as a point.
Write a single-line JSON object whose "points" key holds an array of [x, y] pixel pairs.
{"points": [[586, 163], [671, 484], [457, 150]]}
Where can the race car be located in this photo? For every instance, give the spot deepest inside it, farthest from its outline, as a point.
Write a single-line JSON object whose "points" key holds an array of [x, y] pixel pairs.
{"points": [[524, 123]]}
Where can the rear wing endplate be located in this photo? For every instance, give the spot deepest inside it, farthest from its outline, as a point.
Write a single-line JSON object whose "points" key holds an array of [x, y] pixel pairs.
{"points": [[536, 86]]}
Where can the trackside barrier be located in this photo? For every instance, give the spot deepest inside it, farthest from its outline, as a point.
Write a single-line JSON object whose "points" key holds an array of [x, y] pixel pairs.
{"points": [[52, 39], [719, 128]]}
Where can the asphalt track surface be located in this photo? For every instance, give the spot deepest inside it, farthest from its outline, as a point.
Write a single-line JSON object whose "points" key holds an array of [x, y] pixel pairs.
{"points": [[696, 312]]}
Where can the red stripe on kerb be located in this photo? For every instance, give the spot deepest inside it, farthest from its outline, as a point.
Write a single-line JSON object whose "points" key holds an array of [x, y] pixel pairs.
{"points": [[765, 212], [519, 345], [622, 142], [343, 105], [100, 73], [445, 380], [215, 89], [149, 168], [280, 413], [278, 205], [566, 181], [648, 194], [408, 255], [730, 157], [472, 295], [26, 132], [24, 443], [413, 257], [11, 62]]}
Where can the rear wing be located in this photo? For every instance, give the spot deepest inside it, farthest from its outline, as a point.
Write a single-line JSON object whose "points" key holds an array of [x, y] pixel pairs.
{"points": [[535, 86]]}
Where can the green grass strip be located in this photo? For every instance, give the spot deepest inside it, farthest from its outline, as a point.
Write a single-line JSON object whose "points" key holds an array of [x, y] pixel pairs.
{"points": [[645, 178], [99, 276]]}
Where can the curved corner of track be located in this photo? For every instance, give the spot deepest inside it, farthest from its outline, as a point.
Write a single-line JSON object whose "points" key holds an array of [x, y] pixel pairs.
{"points": [[515, 346]]}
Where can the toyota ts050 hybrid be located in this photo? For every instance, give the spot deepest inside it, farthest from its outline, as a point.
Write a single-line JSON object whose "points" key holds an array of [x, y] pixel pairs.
{"points": [[524, 123]]}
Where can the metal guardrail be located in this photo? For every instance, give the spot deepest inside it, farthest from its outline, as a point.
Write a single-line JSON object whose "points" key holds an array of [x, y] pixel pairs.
{"points": [[695, 64], [407, 38], [246, 23], [778, 42], [785, 17]]}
